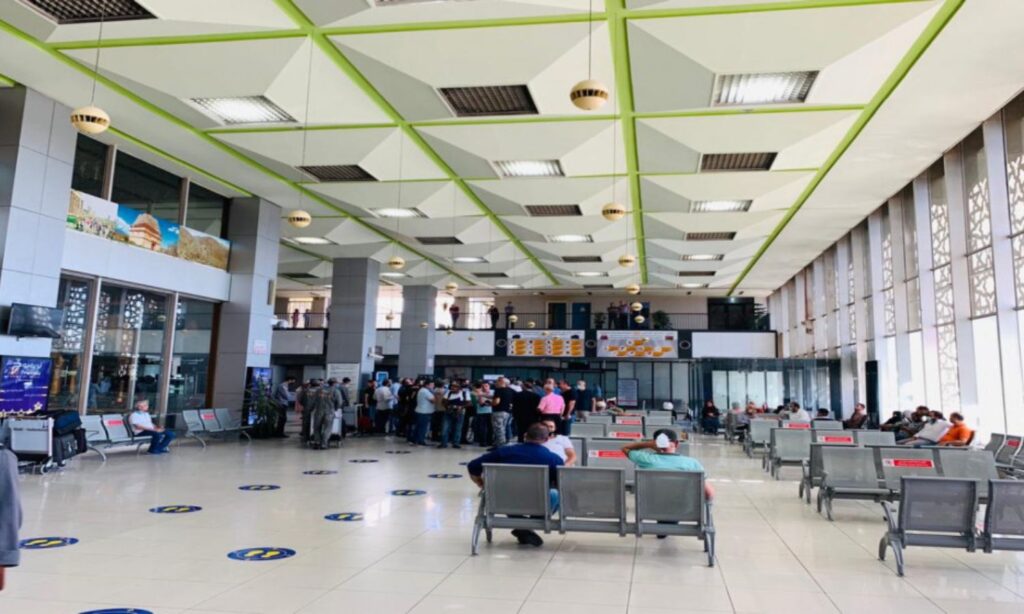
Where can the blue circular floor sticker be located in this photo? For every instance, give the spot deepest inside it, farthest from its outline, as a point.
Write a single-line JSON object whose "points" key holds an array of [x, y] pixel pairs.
{"points": [[119, 611], [397, 452], [445, 476], [405, 492], [175, 509], [259, 487], [319, 472], [46, 543], [261, 554], [344, 517], [363, 460]]}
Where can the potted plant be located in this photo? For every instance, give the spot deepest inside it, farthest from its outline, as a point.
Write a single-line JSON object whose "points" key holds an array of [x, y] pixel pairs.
{"points": [[264, 410], [661, 321]]}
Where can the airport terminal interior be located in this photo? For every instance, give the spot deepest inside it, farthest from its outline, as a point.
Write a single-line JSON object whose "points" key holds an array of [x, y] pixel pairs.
{"points": [[511, 307]]}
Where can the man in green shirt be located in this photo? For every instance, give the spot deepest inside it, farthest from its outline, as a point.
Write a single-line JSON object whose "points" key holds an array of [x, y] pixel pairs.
{"points": [[662, 453]]}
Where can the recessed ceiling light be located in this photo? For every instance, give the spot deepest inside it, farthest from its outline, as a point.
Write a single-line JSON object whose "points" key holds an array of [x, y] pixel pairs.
{"points": [[393, 274], [691, 285], [394, 212], [763, 88], [719, 206], [529, 168], [312, 240], [243, 110], [591, 274], [704, 257], [507, 287], [468, 259], [570, 239]]}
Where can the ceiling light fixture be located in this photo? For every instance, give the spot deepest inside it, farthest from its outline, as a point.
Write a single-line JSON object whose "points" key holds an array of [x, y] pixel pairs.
{"points": [[719, 206], [589, 94], [469, 259], [570, 238], [312, 241], [299, 218], [397, 212], [393, 274], [591, 274], [763, 88], [508, 287], [244, 110], [701, 257], [693, 285], [91, 119], [529, 168]]}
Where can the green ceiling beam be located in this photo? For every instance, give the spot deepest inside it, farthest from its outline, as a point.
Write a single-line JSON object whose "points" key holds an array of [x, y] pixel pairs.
{"points": [[192, 39], [176, 160], [616, 10], [331, 51], [764, 7], [924, 40], [5, 82], [223, 147], [461, 25]]}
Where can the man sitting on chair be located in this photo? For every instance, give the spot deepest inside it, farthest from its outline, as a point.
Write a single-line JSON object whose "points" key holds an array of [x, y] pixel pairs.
{"points": [[530, 452], [142, 423]]}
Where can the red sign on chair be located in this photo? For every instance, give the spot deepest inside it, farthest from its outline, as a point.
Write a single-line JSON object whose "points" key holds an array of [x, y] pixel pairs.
{"points": [[632, 421], [836, 439], [1013, 443], [114, 422], [624, 435], [208, 416], [607, 454], [798, 425], [908, 463]]}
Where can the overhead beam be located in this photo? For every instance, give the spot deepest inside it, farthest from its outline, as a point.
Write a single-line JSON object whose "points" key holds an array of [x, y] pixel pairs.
{"points": [[917, 49]]}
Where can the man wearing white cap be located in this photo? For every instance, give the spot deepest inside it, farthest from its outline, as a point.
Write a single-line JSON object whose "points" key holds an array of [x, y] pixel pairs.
{"points": [[662, 453]]}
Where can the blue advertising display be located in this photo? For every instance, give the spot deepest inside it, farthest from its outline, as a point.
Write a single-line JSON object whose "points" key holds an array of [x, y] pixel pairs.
{"points": [[24, 383]]}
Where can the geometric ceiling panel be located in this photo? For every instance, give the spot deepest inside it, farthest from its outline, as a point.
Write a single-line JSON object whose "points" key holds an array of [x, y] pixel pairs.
{"points": [[432, 199], [336, 13], [409, 68], [767, 190], [802, 140], [507, 197], [695, 49]]}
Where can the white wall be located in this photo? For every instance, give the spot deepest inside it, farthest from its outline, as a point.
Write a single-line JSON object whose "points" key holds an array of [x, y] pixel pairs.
{"points": [[299, 341], [84, 253], [456, 344], [733, 345]]}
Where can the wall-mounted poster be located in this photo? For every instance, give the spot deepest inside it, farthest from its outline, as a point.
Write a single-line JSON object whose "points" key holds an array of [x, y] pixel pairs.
{"points": [[547, 343], [24, 384], [108, 220], [638, 344]]}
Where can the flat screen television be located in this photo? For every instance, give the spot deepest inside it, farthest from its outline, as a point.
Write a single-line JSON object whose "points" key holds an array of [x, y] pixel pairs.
{"points": [[24, 384], [34, 321]]}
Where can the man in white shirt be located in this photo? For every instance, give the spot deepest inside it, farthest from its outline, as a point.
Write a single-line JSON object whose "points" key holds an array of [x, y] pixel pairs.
{"points": [[931, 432], [384, 398], [559, 444], [142, 423], [798, 414]]}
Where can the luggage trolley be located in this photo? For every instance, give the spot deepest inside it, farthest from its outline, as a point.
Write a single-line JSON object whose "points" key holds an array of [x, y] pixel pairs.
{"points": [[32, 443]]}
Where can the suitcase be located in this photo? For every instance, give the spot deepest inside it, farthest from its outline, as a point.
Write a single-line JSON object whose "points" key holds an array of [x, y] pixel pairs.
{"points": [[64, 421], [32, 438], [65, 447], [336, 424], [81, 440]]}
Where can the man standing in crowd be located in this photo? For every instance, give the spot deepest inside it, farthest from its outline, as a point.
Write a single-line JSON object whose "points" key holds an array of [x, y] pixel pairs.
{"points": [[482, 398], [425, 404], [531, 452], [456, 402], [493, 314], [524, 408], [552, 407], [383, 397], [613, 315], [454, 311], [318, 406], [10, 512], [283, 398], [502, 411], [581, 399], [510, 311], [142, 422]]}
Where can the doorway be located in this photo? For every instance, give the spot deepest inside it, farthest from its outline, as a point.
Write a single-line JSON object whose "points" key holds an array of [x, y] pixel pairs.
{"points": [[580, 316], [557, 315]]}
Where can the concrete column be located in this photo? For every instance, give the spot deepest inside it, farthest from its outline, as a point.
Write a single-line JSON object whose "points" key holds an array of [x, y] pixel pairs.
{"points": [[416, 347], [929, 335], [886, 362], [848, 357], [900, 208], [353, 325], [956, 196], [243, 334], [858, 243], [37, 151]]}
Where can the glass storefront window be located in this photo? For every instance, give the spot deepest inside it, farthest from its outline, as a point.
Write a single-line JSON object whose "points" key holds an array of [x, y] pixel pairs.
{"points": [[190, 362], [67, 353], [205, 211], [90, 160], [144, 187], [127, 350]]}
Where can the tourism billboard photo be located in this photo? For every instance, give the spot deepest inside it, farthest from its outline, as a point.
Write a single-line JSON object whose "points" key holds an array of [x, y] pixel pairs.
{"points": [[24, 384]]}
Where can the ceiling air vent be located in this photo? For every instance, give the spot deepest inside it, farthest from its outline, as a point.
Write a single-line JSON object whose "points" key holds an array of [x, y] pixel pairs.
{"points": [[90, 11], [298, 276], [439, 240], [580, 259], [338, 172], [489, 100], [737, 162], [710, 236], [763, 88], [598, 286], [490, 275], [553, 210], [696, 273]]}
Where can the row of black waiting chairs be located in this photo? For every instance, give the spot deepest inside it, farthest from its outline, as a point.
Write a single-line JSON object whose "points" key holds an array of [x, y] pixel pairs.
{"points": [[943, 513], [109, 431], [1007, 450], [594, 500]]}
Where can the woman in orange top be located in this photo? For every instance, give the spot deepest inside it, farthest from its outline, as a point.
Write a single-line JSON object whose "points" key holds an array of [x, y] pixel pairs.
{"points": [[958, 434]]}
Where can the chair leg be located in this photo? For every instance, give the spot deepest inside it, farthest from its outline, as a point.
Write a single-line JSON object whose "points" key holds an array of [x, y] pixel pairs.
{"points": [[248, 439], [709, 545], [103, 455], [828, 507], [800, 495], [807, 492], [474, 544]]}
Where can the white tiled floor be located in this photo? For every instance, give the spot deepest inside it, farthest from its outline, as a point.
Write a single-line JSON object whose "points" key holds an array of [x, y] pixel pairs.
{"points": [[410, 554]]}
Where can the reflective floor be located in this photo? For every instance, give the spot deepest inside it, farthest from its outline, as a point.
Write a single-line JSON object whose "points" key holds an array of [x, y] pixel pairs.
{"points": [[411, 553]]}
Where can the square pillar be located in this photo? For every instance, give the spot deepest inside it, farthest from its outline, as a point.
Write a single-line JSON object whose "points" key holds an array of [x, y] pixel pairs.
{"points": [[352, 331], [416, 345], [245, 325]]}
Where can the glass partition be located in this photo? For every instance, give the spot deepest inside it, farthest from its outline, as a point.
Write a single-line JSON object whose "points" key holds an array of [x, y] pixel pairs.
{"points": [[190, 361], [68, 351]]}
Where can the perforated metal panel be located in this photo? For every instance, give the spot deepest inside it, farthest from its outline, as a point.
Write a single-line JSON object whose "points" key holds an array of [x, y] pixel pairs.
{"points": [[710, 236], [581, 259], [737, 162], [489, 100], [90, 11], [439, 240], [553, 210], [338, 172]]}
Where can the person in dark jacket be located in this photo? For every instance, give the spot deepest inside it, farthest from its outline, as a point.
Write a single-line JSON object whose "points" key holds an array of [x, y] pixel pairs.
{"points": [[524, 409], [709, 418], [10, 512]]}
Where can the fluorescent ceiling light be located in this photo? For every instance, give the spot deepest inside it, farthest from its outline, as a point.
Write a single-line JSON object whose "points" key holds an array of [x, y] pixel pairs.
{"points": [[394, 212], [763, 88], [507, 287], [570, 239], [591, 274], [719, 206], [243, 110], [702, 257], [529, 168], [691, 285], [468, 259], [312, 240], [392, 274]]}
